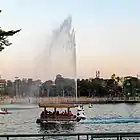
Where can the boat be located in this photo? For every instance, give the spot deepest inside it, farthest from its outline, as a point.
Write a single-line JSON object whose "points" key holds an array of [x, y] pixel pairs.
{"points": [[3, 111], [90, 106], [57, 116], [81, 113], [80, 108]]}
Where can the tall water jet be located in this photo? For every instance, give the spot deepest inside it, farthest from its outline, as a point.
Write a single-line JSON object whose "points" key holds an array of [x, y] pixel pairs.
{"points": [[61, 54], [63, 51]]}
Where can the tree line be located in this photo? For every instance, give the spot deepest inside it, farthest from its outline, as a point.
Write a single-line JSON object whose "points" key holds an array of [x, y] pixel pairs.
{"points": [[99, 87], [93, 87]]}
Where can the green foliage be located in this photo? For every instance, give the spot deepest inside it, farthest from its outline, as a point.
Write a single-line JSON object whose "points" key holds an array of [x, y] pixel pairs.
{"points": [[131, 85], [109, 87], [4, 37], [96, 87]]}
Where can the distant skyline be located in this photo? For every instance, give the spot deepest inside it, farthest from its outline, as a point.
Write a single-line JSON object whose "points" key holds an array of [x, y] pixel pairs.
{"points": [[107, 35]]}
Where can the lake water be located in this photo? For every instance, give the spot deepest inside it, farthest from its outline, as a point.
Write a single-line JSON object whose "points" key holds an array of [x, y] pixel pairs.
{"points": [[100, 118]]}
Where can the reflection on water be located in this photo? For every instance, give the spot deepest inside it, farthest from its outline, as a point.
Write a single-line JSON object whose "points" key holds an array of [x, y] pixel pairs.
{"points": [[56, 128], [23, 120], [18, 106]]}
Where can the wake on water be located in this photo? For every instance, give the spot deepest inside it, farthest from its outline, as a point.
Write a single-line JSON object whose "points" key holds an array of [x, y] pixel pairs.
{"points": [[109, 120]]}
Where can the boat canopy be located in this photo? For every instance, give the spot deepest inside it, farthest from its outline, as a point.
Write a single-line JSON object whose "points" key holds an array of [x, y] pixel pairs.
{"points": [[43, 105]]}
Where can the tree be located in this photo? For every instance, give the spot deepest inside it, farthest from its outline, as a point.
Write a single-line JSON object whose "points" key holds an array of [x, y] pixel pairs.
{"points": [[4, 37], [131, 85]]}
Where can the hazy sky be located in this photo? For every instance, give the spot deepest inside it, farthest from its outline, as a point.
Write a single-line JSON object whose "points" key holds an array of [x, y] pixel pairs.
{"points": [[107, 35]]}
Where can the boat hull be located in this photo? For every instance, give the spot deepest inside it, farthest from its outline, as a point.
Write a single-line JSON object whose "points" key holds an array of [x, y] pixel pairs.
{"points": [[55, 122], [4, 113]]}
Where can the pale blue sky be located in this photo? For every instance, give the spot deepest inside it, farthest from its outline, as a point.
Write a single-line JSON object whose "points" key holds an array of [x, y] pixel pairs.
{"points": [[107, 31]]}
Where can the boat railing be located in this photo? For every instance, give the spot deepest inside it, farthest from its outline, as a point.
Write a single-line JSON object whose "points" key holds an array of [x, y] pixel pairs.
{"points": [[55, 117]]}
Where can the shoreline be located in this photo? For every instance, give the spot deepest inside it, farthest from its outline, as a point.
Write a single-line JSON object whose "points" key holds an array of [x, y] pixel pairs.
{"points": [[69, 100]]}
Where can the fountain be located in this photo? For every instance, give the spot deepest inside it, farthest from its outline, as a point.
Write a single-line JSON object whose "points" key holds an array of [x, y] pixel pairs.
{"points": [[61, 53]]}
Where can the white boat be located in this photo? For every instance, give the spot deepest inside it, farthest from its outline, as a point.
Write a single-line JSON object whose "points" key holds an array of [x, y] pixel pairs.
{"points": [[4, 111], [80, 113], [90, 106], [80, 108]]}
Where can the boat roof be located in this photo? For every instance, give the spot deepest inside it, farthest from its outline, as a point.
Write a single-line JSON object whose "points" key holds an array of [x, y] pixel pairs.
{"points": [[43, 105]]}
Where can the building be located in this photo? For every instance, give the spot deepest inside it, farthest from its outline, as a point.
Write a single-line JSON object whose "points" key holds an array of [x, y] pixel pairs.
{"points": [[17, 84], [2, 86]]}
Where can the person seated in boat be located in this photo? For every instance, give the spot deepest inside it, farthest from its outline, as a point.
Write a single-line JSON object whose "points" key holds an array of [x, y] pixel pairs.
{"points": [[45, 112], [6, 110], [57, 112], [65, 113], [49, 113], [42, 114], [70, 113]]}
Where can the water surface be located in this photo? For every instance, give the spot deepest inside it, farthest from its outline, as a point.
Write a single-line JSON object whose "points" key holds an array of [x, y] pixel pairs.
{"points": [[100, 118]]}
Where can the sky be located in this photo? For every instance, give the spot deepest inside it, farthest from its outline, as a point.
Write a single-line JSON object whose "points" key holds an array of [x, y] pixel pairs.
{"points": [[107, 35]]}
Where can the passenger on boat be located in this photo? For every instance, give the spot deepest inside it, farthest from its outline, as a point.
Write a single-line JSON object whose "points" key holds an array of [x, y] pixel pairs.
{"points": [[57, 112], [62, 113], [70, 113], [42, 114], [5, 110], [49, 112], [46, 114]]}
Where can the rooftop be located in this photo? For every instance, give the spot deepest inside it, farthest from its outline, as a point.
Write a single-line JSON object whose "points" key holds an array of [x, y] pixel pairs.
{"points": [[56, 105]]}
